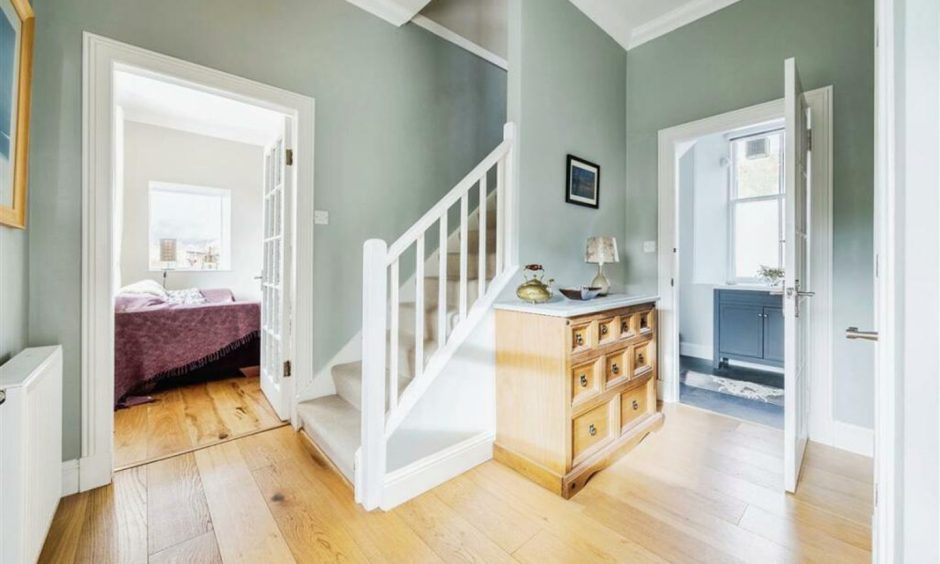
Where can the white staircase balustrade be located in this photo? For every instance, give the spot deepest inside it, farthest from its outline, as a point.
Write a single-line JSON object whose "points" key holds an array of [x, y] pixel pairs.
{"points": [[400, 359]]}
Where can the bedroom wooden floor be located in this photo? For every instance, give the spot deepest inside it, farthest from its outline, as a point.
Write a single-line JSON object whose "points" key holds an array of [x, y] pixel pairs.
{"points": [[706, 488], [191, 417]]}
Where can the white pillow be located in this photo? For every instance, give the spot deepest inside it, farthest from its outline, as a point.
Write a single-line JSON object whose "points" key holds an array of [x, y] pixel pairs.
{"points": [[190, 296], [145, 287]]}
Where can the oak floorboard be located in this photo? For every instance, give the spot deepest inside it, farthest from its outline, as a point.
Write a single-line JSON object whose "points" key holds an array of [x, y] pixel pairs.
{"points": [[500, 522], [198, 550], [245, 529], [448, 533], [183, 419], [806, 540], [66, 529], [177, 510], [115, 529]]}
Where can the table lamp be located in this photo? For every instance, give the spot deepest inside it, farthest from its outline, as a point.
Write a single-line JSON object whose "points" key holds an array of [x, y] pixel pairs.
{"points": [[167, 255], [600, 251]]}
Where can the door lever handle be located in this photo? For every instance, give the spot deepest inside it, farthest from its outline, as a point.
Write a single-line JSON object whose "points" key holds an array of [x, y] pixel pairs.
{"points": [[853, 334]]}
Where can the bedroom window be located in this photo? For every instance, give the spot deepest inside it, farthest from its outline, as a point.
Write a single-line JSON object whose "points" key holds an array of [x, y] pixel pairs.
{"points": [[756, 204], [196, 220]]}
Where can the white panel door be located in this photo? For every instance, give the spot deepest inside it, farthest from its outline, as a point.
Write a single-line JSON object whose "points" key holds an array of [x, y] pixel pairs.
{"points": [[796, 260], [275, 276]]}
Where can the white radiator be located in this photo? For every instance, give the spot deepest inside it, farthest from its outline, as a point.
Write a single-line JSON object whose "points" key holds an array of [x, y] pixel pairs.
{"points": [[30, 451]]}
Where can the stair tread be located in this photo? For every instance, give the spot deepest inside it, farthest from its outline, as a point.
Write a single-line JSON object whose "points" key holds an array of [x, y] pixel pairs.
{"points": [[334, 425]]}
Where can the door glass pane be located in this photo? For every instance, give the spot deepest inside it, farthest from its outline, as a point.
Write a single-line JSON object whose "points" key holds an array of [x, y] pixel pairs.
{"points": [[757, 162], [756, 236]]}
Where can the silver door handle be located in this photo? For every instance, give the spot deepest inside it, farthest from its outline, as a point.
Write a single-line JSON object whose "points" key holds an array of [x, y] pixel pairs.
{"points": [[3, 397], [854, 334]]}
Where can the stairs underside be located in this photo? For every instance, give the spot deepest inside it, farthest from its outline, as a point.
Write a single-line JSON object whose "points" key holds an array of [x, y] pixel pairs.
{"points": [[334, 422]]}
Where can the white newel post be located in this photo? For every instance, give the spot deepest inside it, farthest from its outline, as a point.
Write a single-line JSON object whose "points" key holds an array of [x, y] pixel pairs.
{"points": [[374, 310]]}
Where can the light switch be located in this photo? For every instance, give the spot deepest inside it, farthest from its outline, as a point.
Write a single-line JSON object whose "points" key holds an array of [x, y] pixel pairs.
{"points": [[649, 246], [321, 217]]}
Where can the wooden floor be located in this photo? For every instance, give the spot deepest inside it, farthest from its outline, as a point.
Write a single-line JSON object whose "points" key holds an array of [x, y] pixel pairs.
{"points": [[189, 417], [704, 489]]}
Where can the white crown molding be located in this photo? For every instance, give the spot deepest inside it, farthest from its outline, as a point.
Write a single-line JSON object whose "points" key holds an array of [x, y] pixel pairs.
{"points": [[675, 19], [395, 12], [460, 41]]}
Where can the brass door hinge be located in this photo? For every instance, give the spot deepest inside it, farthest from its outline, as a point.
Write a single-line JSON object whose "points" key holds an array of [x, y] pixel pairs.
{"points": [[289, 157], [287, 369]]}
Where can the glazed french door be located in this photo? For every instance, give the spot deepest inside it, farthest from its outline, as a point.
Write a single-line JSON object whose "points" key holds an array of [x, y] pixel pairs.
{"points": [[275, 275], [797, 276]]}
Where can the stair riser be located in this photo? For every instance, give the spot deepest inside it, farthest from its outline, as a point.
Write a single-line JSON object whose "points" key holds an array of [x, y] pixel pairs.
{"points": [[432, 286], [473, 266]]}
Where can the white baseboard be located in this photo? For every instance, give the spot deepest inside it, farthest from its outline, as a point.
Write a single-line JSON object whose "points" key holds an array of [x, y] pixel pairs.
{"points": [[696, 350], [422, 475], [69, 477], [853, 438]]}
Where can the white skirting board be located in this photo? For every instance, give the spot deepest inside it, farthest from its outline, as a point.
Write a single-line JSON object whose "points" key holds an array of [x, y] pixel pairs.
{"points": [[695, 350], [422, 475], [853, 438]]}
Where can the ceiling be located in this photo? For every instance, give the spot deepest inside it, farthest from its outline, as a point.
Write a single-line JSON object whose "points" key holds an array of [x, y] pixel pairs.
{"points": [[629, 22], [156, 102], [634, 22]]}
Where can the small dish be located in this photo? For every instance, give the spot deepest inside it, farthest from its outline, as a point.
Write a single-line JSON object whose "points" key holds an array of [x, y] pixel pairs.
{"points": [[583, 293]]}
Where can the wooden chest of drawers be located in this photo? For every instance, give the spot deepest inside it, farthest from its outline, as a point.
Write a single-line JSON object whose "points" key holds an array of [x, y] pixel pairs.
{"points": [[575, 389]]}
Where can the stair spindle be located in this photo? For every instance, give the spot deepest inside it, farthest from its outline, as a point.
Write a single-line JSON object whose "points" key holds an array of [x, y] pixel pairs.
{"points": [[419, 307], [442, 284], [464, 229], [481, 276], [393, 345]]}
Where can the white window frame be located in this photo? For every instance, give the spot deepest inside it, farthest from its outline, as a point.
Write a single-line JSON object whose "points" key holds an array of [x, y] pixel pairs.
{"points": [[225, 253], [733, 202]]}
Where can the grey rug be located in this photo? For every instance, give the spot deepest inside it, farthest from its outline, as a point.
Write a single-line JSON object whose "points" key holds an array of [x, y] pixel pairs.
{"points": [[737, 388]]}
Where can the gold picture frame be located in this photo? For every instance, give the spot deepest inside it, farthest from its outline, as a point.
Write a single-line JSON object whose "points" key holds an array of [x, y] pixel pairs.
{"points": [[16, 68]]}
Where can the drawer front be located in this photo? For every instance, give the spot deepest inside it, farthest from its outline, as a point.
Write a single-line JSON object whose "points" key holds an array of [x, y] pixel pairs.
{"points": [[617, 367], [591, 431], [643, 357], [634, 404], [628, 323], [585, 382], [646, 322], [608, 330], [582, 337]]}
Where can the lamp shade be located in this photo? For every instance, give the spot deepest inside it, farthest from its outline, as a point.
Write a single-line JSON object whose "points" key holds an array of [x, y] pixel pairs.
{"points": [[601, 250], [167, 250]]}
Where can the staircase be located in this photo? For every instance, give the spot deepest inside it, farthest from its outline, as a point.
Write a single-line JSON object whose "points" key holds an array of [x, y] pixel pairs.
{"points": [[407, 342]]}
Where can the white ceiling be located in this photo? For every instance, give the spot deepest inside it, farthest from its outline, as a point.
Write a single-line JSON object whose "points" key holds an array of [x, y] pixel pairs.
{"points": [[630, 22], [634, 22], [155, 102]]}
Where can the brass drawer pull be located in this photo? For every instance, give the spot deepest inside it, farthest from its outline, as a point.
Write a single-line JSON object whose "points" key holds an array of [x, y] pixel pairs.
{"points": [[636, 405], [583, 381], [615, 369], [579, 338], [603, 329], [592, 430], [640, 359]]}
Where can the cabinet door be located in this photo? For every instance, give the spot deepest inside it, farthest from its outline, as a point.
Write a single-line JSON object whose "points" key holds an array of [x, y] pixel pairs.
{"points": [[773, 334], [741, 330]]}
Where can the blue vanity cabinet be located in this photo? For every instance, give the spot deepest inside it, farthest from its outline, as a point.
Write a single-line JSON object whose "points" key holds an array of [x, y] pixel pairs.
{"points": [[748, 326]]}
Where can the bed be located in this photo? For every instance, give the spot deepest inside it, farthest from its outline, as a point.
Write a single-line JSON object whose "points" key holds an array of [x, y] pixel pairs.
{"points": [[170, 338]]}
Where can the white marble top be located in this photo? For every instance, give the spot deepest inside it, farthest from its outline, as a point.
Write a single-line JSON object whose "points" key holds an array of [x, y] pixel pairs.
{"points": [[560, 306]]}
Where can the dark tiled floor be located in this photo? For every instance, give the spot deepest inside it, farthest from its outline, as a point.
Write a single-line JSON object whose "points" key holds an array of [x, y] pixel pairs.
{"points": [[743, 408]]}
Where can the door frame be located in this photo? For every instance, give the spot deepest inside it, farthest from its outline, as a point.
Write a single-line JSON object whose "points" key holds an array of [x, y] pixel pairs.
{"points": [[671, 141], [101, 57]]}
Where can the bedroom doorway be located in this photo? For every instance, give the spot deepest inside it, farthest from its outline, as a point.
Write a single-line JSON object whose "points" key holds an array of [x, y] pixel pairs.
{"points": [[191, 284]]}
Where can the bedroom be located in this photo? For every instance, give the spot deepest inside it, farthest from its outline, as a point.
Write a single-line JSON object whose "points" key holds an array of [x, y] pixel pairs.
{"points": [[191, 234]]}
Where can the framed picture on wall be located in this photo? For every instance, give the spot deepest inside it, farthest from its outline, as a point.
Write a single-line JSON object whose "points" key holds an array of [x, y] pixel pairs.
{"points": [[584, 182], [16, 56]]}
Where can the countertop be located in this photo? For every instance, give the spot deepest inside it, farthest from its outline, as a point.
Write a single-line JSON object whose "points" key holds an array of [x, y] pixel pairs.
{"points": [[560, 306]]}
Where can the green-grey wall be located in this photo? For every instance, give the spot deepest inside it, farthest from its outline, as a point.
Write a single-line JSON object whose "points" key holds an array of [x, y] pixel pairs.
{"points": [[733, 59], [567, 97], [401, 116], [14, 295]]}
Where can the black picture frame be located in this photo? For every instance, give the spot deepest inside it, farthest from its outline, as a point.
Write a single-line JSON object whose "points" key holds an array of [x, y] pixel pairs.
{"points": [[583, 182]]}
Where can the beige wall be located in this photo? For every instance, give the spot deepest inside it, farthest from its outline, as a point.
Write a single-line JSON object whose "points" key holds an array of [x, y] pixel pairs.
{"points": [[159, 154]]}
